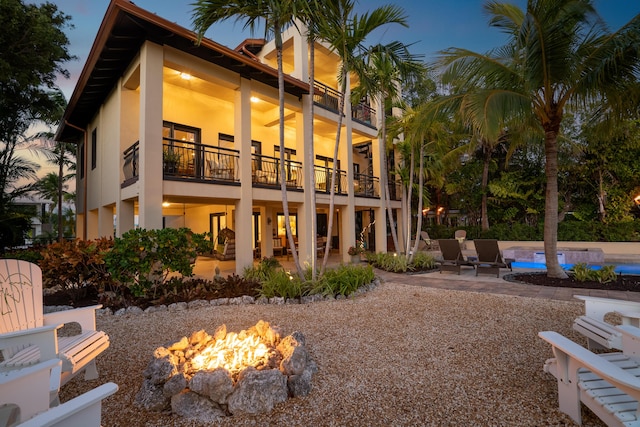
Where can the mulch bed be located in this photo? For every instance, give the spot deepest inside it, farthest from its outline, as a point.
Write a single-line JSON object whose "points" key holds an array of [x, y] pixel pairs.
{"points": [[624, 282]]}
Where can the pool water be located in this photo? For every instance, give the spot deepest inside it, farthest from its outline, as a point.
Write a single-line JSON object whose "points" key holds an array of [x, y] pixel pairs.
{"points": [[620, 268]]}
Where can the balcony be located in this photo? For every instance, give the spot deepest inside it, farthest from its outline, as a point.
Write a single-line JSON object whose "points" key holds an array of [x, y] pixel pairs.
{"points": [[323, 180], [329, 98], [366, 185], [193, 161], [265, 172]]}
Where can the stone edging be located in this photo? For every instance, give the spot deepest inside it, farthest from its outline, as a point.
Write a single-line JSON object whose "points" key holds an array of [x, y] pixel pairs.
{"points": [[243, 300]]}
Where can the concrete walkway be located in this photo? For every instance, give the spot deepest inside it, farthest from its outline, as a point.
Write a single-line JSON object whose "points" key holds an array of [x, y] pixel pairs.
{"points": [[465, 281]]}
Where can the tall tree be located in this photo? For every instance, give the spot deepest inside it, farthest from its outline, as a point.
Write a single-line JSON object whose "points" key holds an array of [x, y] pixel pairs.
{"points": [[559, 55], [380, 73], [346, 32], [278, 15], [33, 50]]}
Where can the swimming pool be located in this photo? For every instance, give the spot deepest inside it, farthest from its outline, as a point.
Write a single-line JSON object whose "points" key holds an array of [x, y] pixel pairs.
{"points": [[620, 268]]}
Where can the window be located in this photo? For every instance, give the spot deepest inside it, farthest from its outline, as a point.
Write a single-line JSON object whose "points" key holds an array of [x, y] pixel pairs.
{"points": [[94, 148], [81, 158]]}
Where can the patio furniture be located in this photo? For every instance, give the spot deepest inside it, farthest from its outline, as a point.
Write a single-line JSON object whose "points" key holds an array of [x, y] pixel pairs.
{"points": [[226, 245], [600, 334], [489, 260], [28, 336], [606, 383], [82, 411], [430, 244], [452, 258], [461, 236], [25, 392]]}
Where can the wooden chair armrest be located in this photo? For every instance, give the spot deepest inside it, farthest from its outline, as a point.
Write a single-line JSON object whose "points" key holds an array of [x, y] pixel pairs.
{"points": [[571, 356], [84, 316], [44, 337], [84, 410], [597, 307], [629, 317]]}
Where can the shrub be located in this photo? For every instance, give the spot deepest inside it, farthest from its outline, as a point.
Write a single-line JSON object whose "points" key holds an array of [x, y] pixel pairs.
{"points": [[76, 265], [400, 263], [143, 259], [281, 284], [583, 273], [344, 280]]}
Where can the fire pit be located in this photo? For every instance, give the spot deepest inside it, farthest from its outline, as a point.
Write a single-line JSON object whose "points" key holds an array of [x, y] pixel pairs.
{"points": [[209, 377]]}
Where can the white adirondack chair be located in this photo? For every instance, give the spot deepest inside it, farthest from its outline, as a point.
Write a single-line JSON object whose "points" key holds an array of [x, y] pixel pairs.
{"points": [[24, 392], [24, 399], [27, 336]]}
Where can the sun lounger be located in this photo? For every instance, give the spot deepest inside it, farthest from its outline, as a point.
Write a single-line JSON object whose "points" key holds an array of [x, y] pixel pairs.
{"points": [[452, 258], [489, 259]]}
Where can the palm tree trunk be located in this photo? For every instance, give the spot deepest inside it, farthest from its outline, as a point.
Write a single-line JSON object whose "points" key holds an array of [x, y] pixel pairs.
{"points": [[408, 215], [310, 161], [420, 199], [486, 161], [384, 175], [62, 148], [551, 206], [283, 181]]}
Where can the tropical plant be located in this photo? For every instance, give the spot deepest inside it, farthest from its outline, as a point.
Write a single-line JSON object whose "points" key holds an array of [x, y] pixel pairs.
{"points": [[559, 55], [380, 71], [33, 48], [278, 14], [583, 273], [346, 31]]}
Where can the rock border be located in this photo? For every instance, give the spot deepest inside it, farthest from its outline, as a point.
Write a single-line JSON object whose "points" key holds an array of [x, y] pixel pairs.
{"points": [[242, 300]]}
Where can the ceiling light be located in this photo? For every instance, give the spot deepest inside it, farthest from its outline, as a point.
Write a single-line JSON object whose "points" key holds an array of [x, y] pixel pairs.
{"points": [[166, 204], [185, 76], [254, 99]]}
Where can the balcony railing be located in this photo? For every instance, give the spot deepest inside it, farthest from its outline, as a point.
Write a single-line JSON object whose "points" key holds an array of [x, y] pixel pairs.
{"points": [[130, 165], [190, 160], [330, 98], [366, 185], [395, 190], [265, 171], [323, 180], [326, 96], [364, 114]]}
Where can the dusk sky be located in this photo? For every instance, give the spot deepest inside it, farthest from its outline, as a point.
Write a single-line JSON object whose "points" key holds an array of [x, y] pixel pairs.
{"points": [[433, 25]]}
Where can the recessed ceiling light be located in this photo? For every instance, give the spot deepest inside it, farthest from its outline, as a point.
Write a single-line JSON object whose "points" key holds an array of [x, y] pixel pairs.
{"points": [[254, 99], [166, 204], [185, 76]]}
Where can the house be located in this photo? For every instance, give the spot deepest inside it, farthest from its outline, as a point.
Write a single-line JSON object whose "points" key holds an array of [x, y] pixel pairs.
{"points": [[175, 134]]}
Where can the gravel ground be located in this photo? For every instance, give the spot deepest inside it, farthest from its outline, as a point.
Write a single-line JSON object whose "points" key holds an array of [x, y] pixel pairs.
{"points": [[399, 355]]}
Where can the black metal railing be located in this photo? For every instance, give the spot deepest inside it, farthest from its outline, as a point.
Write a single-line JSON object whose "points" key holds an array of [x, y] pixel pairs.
{"points": [[182, 159], [395, 190], [323, 180], [366, 185], [364, 114], [326, 96], [265, 171], [130, 165]]}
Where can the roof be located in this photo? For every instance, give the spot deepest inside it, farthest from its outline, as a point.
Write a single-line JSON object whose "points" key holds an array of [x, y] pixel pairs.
{"points": [[124, 28]]}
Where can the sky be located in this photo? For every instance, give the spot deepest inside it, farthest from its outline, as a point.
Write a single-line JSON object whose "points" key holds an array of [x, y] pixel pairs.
{"points": [[434, 25]]}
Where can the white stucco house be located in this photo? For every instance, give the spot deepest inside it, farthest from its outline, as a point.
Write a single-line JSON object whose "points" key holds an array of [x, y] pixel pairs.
{"points": [[173, 134]]}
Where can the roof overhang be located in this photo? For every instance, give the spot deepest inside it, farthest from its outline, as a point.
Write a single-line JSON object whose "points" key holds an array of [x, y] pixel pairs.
{"points": [[124, 28]]}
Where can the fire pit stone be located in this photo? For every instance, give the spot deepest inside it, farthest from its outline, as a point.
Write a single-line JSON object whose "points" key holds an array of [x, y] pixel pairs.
{"points": [[209, 376]]}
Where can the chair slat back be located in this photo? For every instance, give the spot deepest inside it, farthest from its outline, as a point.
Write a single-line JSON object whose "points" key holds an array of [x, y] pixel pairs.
{"points": [[488, 250], [451, 250], [20, 295]]}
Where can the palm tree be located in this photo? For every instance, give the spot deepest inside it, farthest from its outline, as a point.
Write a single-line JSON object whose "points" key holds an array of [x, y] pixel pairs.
{"points": [[346, 31], [48, 187], [559, 55], [278, 15], [380, 72]]}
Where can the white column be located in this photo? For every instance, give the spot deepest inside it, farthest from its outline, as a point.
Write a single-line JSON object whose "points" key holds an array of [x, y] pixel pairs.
{"points": [[244, 209], [125, 219], [150, 210]]}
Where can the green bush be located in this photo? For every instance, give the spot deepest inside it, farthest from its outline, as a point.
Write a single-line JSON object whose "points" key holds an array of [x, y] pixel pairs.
{"points": [[142, 259], [32, 255], [400, 263], [344, 279], [583, 273], [281, 284]]}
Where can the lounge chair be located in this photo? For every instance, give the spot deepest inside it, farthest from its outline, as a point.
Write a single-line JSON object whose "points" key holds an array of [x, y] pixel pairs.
{"points": [[452, 258], [489, 259], [430, 243]]}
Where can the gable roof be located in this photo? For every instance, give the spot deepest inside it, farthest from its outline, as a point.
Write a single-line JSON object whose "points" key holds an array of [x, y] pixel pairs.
{"points": [[124, 28]]}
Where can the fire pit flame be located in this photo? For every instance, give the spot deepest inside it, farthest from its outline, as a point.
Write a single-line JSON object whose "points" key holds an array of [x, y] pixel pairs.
{"points": [[232, 353]]}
